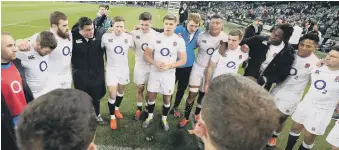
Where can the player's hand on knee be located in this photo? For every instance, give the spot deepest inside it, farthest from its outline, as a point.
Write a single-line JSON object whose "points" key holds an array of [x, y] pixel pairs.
{"points": [[244, 48], [23, 45]]}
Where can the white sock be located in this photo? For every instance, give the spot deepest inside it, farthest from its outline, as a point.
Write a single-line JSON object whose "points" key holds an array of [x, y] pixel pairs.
{"points": [[150, 115], [111, 101], [308, 146], [116, 108], [112, 116], [276, 134], [139, 104], [164, 118]]}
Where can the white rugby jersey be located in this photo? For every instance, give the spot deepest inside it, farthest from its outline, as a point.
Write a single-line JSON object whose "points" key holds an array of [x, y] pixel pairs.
{"points": [[207, 46], [141, 41], [271, 53], [166, 49], [36, 68], [229, 63], [117, 48], [324, 90], [60, 58], [299, 76]]}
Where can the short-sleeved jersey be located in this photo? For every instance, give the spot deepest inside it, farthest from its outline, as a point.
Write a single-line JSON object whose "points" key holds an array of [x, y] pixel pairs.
{"points": [[60, 57], [117, 48], [299, 76], [229, 63], [207, 46], [36, 68], [324, 90], [166, 49], [141, 41]]}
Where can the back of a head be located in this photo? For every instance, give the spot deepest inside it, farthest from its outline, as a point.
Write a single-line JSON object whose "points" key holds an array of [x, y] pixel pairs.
{"points": [[145, 16], [47, 40], [61, 119], [288, 31], [239, 114]]}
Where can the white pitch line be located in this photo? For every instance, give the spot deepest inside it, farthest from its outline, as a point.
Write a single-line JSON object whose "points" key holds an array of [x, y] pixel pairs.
{"points": [[13, 24], [26, 25]]}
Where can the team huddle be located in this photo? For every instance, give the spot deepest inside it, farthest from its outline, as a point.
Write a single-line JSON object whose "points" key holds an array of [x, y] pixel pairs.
{"points": [[47, 58]]}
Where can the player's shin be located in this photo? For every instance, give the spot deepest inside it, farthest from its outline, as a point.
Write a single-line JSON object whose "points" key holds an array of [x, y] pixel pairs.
{"points": [[292, 139], [151, 106], [199, 106]]}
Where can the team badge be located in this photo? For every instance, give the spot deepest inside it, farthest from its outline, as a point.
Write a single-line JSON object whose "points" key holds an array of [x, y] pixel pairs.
{"points": [[158, 41], [287, 111], [317, 71], [126, 41], [240, 56], [275, 54], [138, 37], [307, 65], [110, 40], [204, 41], [336, 79], [31, 57], [313, 128], [174, 44]]}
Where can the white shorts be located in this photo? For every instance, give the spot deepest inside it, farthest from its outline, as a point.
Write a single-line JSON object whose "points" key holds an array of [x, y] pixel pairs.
{"points": [[333, 136], [286, 104], [141, 74], [117, 75], [62, 81], [39, 93], [197, 77], [163, 83], [315, 120]]}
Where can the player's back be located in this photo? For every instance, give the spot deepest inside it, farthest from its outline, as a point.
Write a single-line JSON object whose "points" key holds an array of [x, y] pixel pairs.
{"points": [[36, 67], [300, 75], [166, 49], [324, 90], [141, 41], [207, 46], [60, 57], [117, 49]]}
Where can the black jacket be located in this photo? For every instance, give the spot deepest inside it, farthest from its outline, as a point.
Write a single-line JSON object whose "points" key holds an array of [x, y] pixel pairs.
{"points": [[278, 69], [250, 31], [88, 65], [183, 16], [7, 126]]}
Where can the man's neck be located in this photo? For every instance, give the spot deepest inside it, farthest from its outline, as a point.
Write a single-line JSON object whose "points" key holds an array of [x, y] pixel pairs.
{"points": [[4, 61], [333, 68], [168, 34], [214, 35], [35, 46]]}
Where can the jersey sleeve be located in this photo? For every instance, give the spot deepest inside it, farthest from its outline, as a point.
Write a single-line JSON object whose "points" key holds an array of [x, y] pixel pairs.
{"points": [[103, 40], [215, 56], [245, 56], [181, 45], [21, 55], [131, 41]]}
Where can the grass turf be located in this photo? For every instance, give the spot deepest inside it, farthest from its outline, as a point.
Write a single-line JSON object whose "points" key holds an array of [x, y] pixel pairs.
{"points": [[23, 19]]}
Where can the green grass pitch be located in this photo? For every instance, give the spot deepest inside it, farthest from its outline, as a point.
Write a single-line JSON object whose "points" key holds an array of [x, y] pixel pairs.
{"points": [[23, 19]]}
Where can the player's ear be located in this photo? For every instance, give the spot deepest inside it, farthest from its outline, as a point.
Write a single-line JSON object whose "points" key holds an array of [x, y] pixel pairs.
{"points": [[38, 45]]}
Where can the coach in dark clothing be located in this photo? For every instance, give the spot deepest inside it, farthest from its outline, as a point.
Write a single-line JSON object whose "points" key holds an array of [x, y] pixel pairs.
{"points": [[183, 13], [271, 57], [88, 62], [254, 29], [7, 126]]}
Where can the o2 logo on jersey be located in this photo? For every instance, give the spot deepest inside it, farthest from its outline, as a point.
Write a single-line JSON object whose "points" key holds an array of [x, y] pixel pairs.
{"points": [[231, 65], [119, 50], [165, 52], [17, 85], [66, 51], [43, 66], [294, 72], [144, 46], [320, 85], [210, 51]]}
